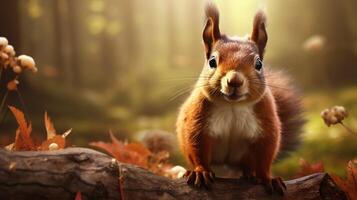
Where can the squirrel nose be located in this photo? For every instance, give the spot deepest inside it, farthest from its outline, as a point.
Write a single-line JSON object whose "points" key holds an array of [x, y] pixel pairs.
{"points": [[235, 82]]}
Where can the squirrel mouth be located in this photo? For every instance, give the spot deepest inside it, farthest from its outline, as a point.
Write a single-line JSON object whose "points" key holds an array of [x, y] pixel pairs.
{"points": [[235, 96]]}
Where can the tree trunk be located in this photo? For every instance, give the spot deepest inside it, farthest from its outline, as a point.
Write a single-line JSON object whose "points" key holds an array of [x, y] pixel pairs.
{"points": [[9, 20], [171, 32], [61, 174], [58, 50], [130, 33], [77, 81]]}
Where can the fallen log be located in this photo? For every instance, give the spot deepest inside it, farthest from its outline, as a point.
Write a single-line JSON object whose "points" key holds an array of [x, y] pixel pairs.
{"points": [[61, 174]]}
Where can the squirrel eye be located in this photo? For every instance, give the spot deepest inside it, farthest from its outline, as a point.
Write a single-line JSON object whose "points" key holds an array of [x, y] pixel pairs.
{"points": [[212, 62], [258, 64]]}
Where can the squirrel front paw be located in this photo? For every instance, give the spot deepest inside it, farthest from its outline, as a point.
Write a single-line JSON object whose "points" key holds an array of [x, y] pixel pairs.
{"points": [[199, 177]]}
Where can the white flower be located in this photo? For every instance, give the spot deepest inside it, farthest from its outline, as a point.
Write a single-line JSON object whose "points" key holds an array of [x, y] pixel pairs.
{"points": [[3, 42], [4, 56], [334, 115], [17, 69], [9, 49], [27, 62]]}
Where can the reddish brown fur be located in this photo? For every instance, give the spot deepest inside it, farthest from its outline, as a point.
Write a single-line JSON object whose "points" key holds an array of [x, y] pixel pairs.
{"points": [[276, 116], [290, 109], [265, 149], [191, 124]]}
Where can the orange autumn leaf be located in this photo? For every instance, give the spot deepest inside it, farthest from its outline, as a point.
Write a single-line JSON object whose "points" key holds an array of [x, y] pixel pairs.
{"points": [[20, 118], [307, 168], [50, 129], [57, 141], [137, 154], [134, 153], [23, 141], [138, 148], [349, 185], [112, 148]]}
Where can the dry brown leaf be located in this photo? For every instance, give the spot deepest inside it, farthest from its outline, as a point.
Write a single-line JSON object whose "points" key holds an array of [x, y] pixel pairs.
{"points": [[23, 141], [52, 137], [50, 129], [21, 120], [58, 139], [137, 154], [134, 153], [138, 148], [29, 129], [349, 185]]}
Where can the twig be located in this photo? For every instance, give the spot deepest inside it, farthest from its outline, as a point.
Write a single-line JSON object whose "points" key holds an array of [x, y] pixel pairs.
{"points": [[2, 105], [3, 100], [348, 129], [23, 104]]}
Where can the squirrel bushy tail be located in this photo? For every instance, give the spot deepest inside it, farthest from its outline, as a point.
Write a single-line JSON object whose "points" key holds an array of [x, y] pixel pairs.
{"points": [[290, 110]]}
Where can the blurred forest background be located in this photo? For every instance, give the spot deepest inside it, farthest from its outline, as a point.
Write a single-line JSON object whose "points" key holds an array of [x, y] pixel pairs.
{"points": [[125, 64]]}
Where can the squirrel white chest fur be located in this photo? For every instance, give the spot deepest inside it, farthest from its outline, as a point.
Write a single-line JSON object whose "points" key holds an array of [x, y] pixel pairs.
{"points": [[233, 128]]}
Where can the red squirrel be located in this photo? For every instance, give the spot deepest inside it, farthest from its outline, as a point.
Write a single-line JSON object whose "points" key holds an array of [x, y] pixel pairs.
{"points": [[239, 113]]}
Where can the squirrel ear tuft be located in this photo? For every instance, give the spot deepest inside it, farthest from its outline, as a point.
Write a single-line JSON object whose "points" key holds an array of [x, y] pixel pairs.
{"points": [[259, 34], [211, 31]]}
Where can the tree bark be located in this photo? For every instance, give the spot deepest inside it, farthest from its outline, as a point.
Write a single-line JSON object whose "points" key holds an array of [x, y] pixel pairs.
{"points": [[61, 174]]}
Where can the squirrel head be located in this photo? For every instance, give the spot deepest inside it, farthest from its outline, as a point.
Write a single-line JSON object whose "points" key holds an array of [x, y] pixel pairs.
{"points": [[233, 71]]}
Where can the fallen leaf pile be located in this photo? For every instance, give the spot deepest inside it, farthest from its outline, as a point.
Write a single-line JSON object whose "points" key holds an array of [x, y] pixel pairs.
{"points": [[138, 154], [134, 153], [23, 140]]}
